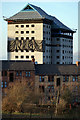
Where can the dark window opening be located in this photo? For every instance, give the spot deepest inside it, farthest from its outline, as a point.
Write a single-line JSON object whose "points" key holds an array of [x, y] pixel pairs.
{"points": [[48, 78], [58, 62], [32, 25], [11, 77], [32, 31], [32, 38], [22, 56], [27, 51], [2, 73], [16, 50], [63, 57], [22, 32], [22, 38], [27, 31], [17, 26], [58, 39], [22, 25], [5, 73], [21, 50], [17, 32], [58, 57], [32, 56], [63, 51], [16, 38], [57, 51], [16, 56], [27, 25], [27, 56], [27, 38], [58, 81]]}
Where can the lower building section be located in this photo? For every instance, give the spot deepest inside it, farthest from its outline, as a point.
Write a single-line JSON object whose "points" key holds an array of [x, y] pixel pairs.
{"points": [[49, 81], [20, 55]]}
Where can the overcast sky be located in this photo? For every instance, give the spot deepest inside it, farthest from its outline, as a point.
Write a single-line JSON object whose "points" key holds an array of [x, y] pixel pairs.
{"points": [[66, 12]]}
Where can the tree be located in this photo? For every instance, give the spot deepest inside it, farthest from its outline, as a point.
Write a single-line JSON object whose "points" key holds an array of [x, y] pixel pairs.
{"points": [[17, 94], [67, 96]]}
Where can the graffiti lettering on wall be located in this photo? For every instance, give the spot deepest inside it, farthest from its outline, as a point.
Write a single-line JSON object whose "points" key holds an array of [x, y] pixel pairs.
{"points": [[36, 45]]}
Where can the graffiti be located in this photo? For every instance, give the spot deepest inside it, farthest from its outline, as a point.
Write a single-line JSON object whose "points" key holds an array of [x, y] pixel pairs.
{"points": [[36, 45]]}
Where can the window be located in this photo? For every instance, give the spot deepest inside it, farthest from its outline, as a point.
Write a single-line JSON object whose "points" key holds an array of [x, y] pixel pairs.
{"points": [[28, 74], [48, 78], [58, 57], [27, 50], [32, 26], [50, 88], [21, 50], [52, 78], [27, 31], [17, 32], [22, 25], [16, 50], [22, 38], [27, 56], [63, 51], [57, 51], [27, 38], [43, 25], [20, 73], [5, 73], [17, 73], [32, 50], [58, 62], [32, 31], [27, 25], [41, 78], [2, 73], [22, 56], [16, 38], [16, 56], [63, 78], [22, 32], [32, 38], [67, 78], [48, 97], [75, 78], [63, 57], [16, 26], [2, 84], [32, 56], [58, 39], [5, 84]]}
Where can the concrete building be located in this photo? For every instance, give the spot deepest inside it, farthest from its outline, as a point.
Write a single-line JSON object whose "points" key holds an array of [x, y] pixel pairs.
{"points": [[32, 33]]}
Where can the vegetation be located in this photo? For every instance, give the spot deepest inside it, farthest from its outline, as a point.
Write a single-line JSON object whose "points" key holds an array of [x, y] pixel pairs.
{"points": [[16, 95], [20, 97]]}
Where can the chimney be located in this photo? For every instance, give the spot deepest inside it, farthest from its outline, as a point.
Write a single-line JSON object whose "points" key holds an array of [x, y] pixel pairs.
{"points": [[33, 59], [77, 63]]}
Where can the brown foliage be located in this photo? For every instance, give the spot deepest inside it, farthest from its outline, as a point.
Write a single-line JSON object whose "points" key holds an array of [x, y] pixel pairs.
{"points": [[17, 94]]}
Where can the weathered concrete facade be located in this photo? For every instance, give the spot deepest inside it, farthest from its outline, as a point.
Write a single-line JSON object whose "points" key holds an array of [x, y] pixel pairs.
{"points": [[34, 33]]}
